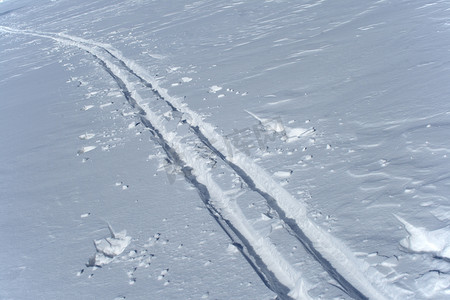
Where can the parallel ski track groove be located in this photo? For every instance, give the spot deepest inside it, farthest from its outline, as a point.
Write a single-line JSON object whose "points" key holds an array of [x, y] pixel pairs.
{"points": [[238, 240]]}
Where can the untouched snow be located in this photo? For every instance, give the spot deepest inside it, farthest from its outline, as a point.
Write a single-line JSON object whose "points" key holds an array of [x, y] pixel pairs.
{"points": [[247, 150]]}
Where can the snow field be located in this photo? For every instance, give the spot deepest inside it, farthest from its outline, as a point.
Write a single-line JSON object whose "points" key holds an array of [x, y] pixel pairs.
{"points": [[375, 148]]}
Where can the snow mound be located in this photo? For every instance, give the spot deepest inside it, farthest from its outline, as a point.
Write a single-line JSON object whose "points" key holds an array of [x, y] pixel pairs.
{"points": [[108, 248], [436, 242]]}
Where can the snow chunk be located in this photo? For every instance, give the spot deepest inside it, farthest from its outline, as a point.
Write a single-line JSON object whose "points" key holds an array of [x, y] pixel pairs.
{"points": [[132, 125], [106, 104], [186, 79], [214, 89], [87, 107], [436, 242], [86, 149], [108, 248], [86, 136], [283, 174]]}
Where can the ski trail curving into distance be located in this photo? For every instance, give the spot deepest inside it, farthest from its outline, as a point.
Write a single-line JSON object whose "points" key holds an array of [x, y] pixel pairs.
{"points": [[355, 275], [278, 274]]}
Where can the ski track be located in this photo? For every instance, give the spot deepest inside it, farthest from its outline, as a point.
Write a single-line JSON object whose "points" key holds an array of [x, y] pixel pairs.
{"points": [[353, 274]]}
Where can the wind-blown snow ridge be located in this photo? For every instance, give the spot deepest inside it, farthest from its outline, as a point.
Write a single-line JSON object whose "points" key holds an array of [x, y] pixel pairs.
{"points": [[366, 281]]}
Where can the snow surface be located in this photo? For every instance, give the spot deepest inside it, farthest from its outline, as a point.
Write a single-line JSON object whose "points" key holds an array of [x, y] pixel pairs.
{"points": [[246, 149]]}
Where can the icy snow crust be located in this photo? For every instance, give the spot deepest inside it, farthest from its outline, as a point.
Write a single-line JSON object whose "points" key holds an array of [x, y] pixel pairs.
{"points": [[355, 141]]}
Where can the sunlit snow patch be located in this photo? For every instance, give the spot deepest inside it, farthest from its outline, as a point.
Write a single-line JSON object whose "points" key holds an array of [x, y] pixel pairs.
{"points": [[108, 248]]}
